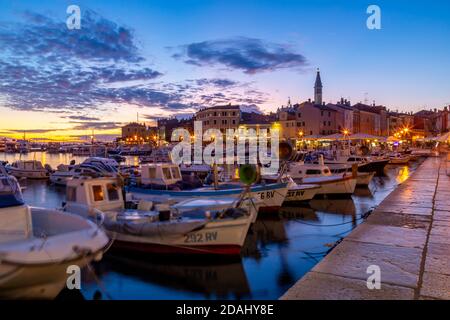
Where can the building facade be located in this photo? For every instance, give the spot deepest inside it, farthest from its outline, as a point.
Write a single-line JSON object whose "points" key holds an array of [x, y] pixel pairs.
{"points": [[219, 117]]}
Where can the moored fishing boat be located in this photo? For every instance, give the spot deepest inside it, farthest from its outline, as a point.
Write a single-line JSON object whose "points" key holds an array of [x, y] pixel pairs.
{"points": [[30, 169], [398, 158], [38, 245], [362, 178], [163, 181], [196, 226], [320, 174]]}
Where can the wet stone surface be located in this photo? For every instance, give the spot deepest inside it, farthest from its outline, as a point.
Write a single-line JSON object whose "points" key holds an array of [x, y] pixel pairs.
{"points": [[407, 236]]}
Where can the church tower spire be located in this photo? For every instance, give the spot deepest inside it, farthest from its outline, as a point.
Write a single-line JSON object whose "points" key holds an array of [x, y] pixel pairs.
{"points": [[318, 89]]}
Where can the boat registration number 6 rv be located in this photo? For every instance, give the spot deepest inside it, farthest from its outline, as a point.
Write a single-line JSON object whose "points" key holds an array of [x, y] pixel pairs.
{"points": [[266, 195], [200, 237]]}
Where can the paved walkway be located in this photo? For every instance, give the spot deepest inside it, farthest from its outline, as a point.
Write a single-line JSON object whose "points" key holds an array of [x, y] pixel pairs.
{"points": [[407, 236]]}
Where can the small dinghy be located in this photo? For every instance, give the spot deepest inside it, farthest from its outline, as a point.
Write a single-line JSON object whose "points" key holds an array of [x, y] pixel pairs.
{"points": [[198, 226], [38, 245], [398, 158]]}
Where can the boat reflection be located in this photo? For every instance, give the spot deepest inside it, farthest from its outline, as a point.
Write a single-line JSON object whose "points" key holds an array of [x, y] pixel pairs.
{"points": [[224, 279], [338, 206], [363, 192]]}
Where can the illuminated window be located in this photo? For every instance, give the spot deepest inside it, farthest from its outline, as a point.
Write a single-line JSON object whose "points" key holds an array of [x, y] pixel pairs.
{"points": [[176, 173], [166, 173], [113, 192], [98, 193]]}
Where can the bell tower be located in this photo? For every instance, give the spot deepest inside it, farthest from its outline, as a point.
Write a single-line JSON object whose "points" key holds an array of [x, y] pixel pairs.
{"points": [[318, 89]]}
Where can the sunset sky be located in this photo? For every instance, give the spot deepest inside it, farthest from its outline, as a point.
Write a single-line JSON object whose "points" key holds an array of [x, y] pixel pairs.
{"points": [[160, 58]]}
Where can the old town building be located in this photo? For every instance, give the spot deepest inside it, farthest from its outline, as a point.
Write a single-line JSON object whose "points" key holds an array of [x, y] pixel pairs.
{"points": [[219, 117]]}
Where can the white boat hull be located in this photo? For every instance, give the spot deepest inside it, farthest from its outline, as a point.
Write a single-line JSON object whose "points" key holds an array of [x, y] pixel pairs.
{"points": [[301, 193], [364, 178], [334, 185], [60, 180], [216, 237], [42, 273]]}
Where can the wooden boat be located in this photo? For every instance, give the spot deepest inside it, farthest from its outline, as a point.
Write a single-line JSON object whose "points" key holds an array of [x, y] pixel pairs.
{"points": [[197, 226], [163, 182], [320, 174], [397, 158], [38, 245], [30, 169]]}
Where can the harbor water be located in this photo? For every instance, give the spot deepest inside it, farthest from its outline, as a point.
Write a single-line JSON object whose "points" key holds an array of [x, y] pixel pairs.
{"points": [[279, 249]]}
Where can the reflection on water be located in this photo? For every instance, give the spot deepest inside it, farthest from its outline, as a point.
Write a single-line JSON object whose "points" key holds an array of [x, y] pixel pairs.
{"points": [[278, 250], [135, 277]]}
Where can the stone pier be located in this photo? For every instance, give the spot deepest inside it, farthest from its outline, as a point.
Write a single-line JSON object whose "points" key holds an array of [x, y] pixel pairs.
{"points": [[407, 236]]}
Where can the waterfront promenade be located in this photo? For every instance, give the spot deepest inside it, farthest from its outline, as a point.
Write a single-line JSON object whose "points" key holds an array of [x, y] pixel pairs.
{"points": [[407, 236]]}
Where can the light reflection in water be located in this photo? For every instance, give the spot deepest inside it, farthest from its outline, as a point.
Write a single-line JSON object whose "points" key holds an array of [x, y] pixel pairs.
{"points": [[277, 252]]}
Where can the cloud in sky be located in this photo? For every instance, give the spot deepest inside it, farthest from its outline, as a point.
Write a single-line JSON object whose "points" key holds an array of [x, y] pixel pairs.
{"points": [[47, 67], [249, 55], [98, 125]]}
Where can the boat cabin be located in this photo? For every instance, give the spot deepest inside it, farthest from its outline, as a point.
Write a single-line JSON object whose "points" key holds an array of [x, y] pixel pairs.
{"points": [[100, 193], [160, 174], [27, 165], [305, 170], [15, 217]]}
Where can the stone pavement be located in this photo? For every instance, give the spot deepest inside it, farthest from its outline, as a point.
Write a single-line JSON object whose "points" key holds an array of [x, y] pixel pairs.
{"points": [[407, 236]]}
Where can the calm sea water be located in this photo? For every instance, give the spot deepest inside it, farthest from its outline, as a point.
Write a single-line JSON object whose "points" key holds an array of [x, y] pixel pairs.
{"points": [[278, 250]]}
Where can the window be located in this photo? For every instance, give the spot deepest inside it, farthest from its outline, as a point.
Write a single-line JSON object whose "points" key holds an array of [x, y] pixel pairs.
{"points": [[299, 124], [71, 194], [152, 173], [234, 121], [312, 171], [166, 173], [234, 113], [324, 123], [113, 192], [329, 123], [321, 113], [329, 113], [98, 193], [215, 114], [215, 121], [176, 173], [303, 123], [299, 114]]}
